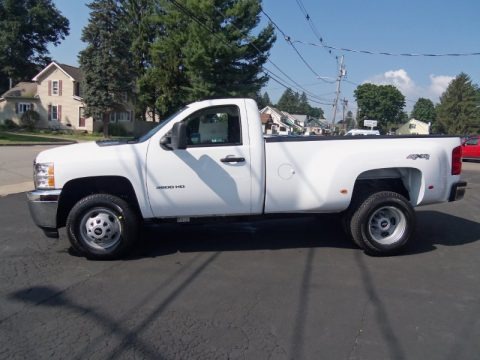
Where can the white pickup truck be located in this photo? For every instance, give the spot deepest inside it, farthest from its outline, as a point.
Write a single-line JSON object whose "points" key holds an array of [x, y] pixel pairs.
{"points": [[211, 159]]}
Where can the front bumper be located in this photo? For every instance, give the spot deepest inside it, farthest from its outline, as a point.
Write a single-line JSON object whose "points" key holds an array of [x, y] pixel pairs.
{"points": [[43, 205], [457, 191]]}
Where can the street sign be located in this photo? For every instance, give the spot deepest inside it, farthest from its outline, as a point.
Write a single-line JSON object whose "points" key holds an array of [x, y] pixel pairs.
{"points": [[370, 123]]}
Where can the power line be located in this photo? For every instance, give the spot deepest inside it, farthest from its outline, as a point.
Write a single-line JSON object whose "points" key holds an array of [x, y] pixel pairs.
{"points": [[289, 41], [385, 53], [351, 82], [273, 77], [312, 97], [314, 29], [270, 61]]}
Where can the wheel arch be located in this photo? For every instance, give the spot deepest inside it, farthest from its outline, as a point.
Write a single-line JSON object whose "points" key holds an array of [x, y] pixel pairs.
{"points": [[77, 189], [405, 181]]}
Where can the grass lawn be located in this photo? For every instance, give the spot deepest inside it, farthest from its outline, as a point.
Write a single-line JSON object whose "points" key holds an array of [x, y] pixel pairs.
{"points": [[24, 137], [10, 138], [73, 137]]}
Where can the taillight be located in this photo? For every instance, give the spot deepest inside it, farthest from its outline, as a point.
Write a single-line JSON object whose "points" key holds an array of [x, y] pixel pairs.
{"points": [[457, 160]]}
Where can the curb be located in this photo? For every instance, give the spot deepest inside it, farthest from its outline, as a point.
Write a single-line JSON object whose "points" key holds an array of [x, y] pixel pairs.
{"points": [[59, 143], [16, 188]]}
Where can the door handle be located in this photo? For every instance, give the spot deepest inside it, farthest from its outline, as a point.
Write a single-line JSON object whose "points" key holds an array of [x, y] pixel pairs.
{"points": [[230, 159]]}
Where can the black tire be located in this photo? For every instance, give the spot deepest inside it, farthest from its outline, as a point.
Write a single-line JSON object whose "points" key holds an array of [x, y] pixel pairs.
{"points": [[102, 227], [346, 218], [382, 223]]}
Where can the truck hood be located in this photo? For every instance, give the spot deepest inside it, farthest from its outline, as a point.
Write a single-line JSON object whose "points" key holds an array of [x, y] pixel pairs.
{"points": [[68, 152], [92, 160]]}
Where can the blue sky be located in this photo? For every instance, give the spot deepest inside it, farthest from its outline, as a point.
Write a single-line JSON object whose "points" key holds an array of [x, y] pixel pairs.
{"points": [[407, 26]]}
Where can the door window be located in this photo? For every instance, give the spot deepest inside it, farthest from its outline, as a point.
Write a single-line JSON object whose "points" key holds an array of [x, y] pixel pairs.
{"points": [[215, 126], [473, 141]]}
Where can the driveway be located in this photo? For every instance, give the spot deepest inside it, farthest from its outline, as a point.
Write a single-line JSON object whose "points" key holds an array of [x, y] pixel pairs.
{"points": [[292, 289]]}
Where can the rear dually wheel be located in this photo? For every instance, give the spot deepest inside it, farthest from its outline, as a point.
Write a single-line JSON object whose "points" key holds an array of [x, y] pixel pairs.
{"points": [[382, 223]]}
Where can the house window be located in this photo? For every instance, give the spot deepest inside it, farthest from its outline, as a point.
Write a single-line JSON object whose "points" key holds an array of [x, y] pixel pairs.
{"points": [[54, 112], [120, 116], [81, 117], [77, 89], [55, 87], [22, 107], [412, 126]]}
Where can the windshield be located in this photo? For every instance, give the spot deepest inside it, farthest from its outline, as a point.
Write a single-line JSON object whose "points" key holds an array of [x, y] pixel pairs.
{"points": [[152, 132]]}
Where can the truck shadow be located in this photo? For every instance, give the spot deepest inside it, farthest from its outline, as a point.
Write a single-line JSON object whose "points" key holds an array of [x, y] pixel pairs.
{"points": [[436, 228], [323, 231], [271, 234]]}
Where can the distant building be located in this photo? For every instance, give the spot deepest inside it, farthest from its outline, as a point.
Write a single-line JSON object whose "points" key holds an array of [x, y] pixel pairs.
{"points": [[282, 122], [55, 94], [414, 127], [316, 127]]}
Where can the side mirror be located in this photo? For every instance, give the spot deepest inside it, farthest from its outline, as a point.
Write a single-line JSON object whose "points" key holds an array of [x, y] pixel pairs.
{"points": [[165, 142], [179, 136]]}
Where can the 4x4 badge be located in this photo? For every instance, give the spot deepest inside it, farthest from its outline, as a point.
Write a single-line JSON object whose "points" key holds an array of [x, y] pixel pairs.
{"points": [[419, 156]]}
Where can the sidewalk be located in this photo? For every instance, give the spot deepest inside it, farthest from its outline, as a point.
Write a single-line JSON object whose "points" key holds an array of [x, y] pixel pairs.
{"points": [[16, 167]]}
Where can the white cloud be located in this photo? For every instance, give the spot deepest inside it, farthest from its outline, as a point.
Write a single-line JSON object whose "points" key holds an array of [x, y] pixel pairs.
{"points": [[438, 84], [403, 82]]}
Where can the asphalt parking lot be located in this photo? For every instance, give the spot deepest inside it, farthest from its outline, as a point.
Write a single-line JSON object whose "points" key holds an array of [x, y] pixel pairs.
{"points": [[275, 289]]}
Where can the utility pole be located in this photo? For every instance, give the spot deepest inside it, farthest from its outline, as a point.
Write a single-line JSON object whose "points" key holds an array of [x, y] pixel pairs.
{"points": [[341, 73], [344, 105]]}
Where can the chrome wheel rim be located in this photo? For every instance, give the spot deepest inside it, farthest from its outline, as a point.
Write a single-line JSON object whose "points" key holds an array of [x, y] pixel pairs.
{"points": [[387, 225], [101, 228]]}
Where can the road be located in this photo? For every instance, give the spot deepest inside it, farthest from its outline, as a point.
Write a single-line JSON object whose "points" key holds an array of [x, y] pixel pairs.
{"points": [[294, 289]]}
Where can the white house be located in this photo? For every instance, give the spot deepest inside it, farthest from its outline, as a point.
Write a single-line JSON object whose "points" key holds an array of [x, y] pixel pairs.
{"points": [[55, 94], [414, 127], [282, 122]]}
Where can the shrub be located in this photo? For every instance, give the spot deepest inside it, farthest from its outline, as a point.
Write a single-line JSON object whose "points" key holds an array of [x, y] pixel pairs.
{"points": [[117, 130], [9, 124], [29, 119]]}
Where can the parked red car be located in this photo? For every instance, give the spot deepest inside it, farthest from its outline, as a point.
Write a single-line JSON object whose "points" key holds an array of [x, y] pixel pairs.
{"points": [[471, 148]]}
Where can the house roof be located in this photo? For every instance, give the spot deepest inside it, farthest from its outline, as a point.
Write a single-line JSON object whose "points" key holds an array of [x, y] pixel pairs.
{"points": [[22, 89], [272, 109], [285, 117], [417, 122], [72, 72], [316, 123]]}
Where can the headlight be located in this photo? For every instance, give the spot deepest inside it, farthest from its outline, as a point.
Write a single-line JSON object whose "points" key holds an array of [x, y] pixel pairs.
{"points": [[44, 176]]}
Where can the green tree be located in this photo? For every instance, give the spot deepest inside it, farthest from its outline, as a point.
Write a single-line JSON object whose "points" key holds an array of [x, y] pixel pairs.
{"points": [[424, 110], [316, 113], [303, 105], [106, 61], [288, 101], [207, 49], [27, 27], [262, 100], [384, 103], [294, 103], [139, 19], [459, 109], [266, 99]]}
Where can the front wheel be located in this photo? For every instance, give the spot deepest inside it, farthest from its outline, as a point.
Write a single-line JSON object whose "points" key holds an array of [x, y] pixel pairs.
{"points": [[383, 223], [102, 226]]}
